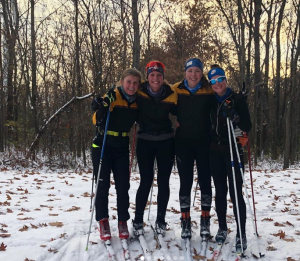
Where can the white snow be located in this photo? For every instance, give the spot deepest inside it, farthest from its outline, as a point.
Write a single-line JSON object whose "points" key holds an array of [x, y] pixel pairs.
{"points": [[53, 209]]}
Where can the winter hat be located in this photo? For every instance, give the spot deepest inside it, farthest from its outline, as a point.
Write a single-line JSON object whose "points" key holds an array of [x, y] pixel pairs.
{"points": [[155, 66], [194, 62], [215, 71]]}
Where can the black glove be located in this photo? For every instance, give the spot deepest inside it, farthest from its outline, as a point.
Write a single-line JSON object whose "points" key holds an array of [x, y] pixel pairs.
{"points": [[230, 112], [96, 103], [244, 94], [110, 97]]}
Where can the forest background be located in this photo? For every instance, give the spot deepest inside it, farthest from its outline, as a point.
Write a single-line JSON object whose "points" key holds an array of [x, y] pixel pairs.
{"points": [[56, 55]]}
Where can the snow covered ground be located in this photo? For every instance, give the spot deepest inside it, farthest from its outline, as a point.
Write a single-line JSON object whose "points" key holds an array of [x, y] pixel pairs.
{"points": [[45, 214]]}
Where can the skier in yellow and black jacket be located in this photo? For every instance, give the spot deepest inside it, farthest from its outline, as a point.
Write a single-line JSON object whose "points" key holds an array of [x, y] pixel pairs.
{"points": [[123, 114], [192, 141]]}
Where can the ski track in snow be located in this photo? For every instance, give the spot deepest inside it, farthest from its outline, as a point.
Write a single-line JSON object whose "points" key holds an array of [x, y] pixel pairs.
{"points": [[35, 198]]}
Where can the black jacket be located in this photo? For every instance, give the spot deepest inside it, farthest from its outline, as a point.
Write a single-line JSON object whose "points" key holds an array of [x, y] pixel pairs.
{"points": [[122, 116], [219, 130], [154, 112], [193, 111]]}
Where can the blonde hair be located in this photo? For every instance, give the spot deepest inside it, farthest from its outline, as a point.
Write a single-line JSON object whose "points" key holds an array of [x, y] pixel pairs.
{"points": [[131, 72]]}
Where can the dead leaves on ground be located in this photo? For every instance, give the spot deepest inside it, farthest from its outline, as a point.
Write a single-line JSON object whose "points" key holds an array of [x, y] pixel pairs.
{"points": [[2, 247], [281, 235]]}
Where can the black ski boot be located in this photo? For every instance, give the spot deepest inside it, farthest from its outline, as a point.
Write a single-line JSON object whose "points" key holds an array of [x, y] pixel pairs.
{"points": [[238, 244], [186, 228], [138, 228], [221, 235], [205, 227], [160, 227]]}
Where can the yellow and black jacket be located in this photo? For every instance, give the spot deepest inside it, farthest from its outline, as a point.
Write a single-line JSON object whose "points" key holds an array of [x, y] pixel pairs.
{"points": [[122, 116], [193, 114], [154, 112]]}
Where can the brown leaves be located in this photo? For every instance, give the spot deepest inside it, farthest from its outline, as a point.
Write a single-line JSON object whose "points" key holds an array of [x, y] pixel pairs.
{"points": [[56, 224], [281, 235], [267, 219], [25, 228], [271, 248], [2, 247], [5, 235], [74, 208], [53, 250], [8, 197]]}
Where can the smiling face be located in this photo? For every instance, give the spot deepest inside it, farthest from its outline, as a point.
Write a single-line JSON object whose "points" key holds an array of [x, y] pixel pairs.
{"points": [[155, 80], [193, 76], [130, 84], [219, 87]]}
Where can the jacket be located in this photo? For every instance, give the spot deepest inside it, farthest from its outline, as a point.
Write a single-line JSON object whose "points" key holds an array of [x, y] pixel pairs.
{"points": [[122, 116], [193, 115], [154, 112], [219, 129]]}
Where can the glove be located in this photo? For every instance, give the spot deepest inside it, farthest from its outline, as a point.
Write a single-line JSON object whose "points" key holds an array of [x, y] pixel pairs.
{"points": [[243, 94], [96, 103], [229, 112], [109, 97]]}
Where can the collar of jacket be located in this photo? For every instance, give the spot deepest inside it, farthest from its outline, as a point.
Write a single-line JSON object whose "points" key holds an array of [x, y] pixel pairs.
{"points": [[182, 86], [168, 90], [122, 95]]}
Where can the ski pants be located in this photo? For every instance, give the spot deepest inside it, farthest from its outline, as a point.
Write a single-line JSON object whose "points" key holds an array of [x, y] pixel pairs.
{"points": [[115, 160], [185, 158], [147, 151], [220, 164]]}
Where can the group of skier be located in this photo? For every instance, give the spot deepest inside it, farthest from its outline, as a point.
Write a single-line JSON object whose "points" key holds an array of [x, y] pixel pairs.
{"points": [[202, 106]]}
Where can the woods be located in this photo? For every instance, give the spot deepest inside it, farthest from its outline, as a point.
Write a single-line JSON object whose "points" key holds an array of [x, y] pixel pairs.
{"points": [[52, 51]]}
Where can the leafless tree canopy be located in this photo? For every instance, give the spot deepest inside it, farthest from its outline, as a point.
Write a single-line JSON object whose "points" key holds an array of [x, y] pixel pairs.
{"points": [[53, 51]]}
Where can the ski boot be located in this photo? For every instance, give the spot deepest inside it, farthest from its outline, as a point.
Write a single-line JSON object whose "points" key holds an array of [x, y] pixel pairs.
{"points": [[186, 228], [205, 227], [104, 229], [123, 230], [160, 228], [138, 228], [238, 244]]}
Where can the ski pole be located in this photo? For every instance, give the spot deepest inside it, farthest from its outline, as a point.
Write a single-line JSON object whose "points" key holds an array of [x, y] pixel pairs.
{"points": [[234, 181], [151, 191], [132, 149], [250, 170], [98, 177], [92, 193], [245, 189]]}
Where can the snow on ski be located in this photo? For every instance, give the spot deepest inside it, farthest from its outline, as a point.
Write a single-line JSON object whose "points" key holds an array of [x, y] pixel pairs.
{"points": [[187, 248], [161, 244], [110, 251], [238, 256], [204, 245], [145, 247], [217, 252], [125, 249]]}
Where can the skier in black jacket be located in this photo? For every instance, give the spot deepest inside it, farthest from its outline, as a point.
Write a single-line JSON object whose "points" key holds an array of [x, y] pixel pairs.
{"points": [[123, 114], [192, 142], [227, 104], [155, 141]]}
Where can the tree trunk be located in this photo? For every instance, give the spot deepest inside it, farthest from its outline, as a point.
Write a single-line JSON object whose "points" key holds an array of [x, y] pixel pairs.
{"points": [[33, 70], [136, 33], [277, 117]]}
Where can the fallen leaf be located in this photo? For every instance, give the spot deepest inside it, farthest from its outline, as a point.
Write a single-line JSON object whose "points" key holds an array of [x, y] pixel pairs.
{"points": [[56, 224], [2, 247], [4, 235], [25, 228]]}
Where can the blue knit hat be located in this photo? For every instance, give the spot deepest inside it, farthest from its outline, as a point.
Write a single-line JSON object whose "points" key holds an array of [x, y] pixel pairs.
{"points": [[215, 71], [194, 62]]}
